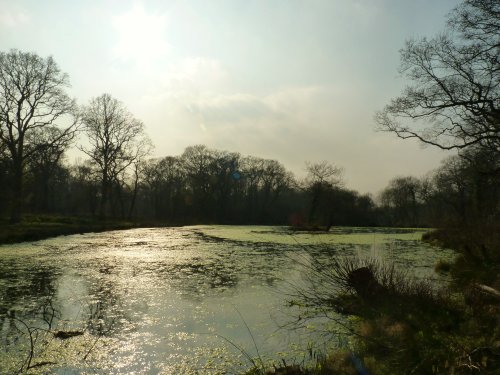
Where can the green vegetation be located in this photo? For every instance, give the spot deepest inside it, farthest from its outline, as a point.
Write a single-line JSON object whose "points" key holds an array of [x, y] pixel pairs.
{"points": [[478, 250], [33, 228], [335, 236], [406, 326]]}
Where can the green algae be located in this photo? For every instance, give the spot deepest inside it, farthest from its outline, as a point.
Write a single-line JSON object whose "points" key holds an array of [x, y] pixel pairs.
{"points": [[283, 235], [150, 296]]}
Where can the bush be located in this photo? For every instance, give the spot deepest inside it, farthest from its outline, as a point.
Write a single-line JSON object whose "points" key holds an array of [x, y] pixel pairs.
{"points": [[406, 325]]}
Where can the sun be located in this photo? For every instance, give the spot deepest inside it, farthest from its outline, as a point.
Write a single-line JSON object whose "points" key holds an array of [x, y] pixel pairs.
{"points": [[141, 36]]}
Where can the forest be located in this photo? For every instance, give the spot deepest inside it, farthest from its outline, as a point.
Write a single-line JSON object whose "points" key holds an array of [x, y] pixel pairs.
{"points": [[205, 185]]}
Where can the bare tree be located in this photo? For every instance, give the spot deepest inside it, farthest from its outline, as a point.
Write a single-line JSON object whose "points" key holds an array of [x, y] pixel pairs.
{"points": [[275, 180], [32, 100], [323, 172], [116, 141], [164, 184], [43, 164], [465, 191], [453, 99], [321, 181], [402, 198]]}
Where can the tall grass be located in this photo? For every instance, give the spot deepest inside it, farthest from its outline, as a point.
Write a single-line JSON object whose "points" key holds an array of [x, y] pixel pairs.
{"points": [[404, 325]]}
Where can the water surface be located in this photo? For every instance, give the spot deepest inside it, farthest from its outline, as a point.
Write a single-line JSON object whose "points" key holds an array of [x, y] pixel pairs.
{"points": [[198, 299]]}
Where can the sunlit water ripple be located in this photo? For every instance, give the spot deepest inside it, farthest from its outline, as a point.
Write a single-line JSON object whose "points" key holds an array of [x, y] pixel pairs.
{"points": [[172, 300]]}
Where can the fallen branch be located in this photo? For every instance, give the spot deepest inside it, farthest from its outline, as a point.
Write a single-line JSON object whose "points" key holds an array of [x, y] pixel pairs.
{"points": [[488, 290]]}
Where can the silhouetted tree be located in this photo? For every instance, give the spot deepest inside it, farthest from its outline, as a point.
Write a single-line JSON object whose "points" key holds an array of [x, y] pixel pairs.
{"points": [[252, 169], [164, 185], [45, 168], [196, 161], [225, 180], [275, 181], [116, 141], [453, 99], [465, 191], [402, 199], [323, 178], [32, 100]]}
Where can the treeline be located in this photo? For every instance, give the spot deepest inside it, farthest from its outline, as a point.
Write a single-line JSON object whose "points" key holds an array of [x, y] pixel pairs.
{"points": [[204, 185], [200, 186], [463, 191]]}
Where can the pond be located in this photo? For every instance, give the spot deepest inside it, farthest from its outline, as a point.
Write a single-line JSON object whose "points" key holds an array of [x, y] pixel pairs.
{"points": [[199, 299]]}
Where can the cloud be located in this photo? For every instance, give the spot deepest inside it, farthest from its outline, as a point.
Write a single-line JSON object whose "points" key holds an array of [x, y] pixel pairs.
{"points": [[224, 109], [283, 122], [293, 105], [182, 86], [194, 74], [141, 36], [12, 16], [197, 104]]}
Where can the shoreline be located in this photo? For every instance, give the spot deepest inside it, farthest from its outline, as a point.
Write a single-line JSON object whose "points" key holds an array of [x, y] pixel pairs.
{"points": [[36, 228]]}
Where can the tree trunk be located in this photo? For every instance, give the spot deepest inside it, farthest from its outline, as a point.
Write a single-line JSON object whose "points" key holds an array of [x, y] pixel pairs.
{"points": [[104, 197], [134, 194], [17, 202]]}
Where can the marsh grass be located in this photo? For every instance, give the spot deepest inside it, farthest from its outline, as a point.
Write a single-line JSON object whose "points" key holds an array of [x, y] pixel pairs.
{"points": [[479, 253], [332, 286], [408, 326], [442, 266]]}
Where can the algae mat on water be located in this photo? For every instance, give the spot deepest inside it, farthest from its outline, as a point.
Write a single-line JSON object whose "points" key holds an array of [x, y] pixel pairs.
{"points": [[338, 235]]}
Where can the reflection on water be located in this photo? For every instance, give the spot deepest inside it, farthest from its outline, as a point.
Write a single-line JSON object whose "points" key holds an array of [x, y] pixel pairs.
{"points": [[166, 300]]}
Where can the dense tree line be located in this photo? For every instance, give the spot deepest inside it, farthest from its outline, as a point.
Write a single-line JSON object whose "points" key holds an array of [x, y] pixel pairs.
{"points": [[200, 186], [464, 190], [204, 185]]}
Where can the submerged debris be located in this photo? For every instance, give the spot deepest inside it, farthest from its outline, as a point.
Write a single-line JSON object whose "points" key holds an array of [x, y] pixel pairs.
{"points": [[63, 335]]}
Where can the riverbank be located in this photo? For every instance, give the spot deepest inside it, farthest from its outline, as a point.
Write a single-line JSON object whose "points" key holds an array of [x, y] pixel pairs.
{"points": [[40, 227], [406, 326]]}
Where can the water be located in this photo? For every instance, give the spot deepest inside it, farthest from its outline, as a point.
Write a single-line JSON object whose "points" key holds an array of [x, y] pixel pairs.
{"points": [[203, 299]]}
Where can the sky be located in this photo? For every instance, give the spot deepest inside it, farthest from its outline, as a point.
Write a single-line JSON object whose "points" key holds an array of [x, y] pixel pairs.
{"points": [[290, 80]]}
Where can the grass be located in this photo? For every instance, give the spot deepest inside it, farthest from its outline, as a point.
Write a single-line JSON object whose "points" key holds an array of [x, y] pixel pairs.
{"points": [[38, 227], [478, 251]]}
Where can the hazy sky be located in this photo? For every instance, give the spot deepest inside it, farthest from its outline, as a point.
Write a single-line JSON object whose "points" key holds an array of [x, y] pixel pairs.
{"points": [[291, 80]]}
